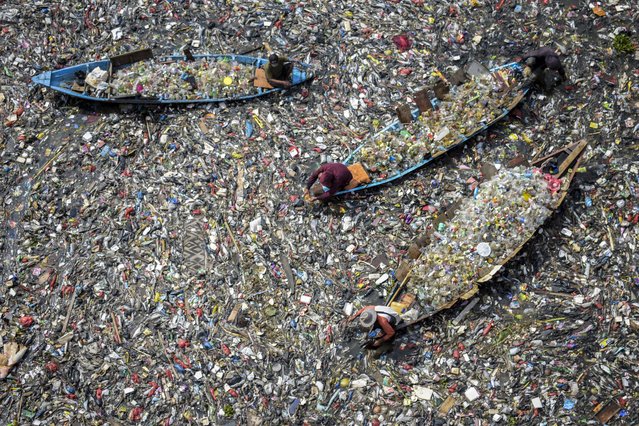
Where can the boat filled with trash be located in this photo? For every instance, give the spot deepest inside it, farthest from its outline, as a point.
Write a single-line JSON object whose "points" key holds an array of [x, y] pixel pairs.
{"points": [[138, 77], [485, 231], [481, 99]]}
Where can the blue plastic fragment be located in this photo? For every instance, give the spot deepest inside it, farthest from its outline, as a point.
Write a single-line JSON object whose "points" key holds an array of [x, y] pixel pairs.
{"points": [[292, 409], [569, 404], [248, 131], [375, 333]]}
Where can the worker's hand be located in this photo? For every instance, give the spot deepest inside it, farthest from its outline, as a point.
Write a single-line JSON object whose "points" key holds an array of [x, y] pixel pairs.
{"points": [[527, 72], [308, 197], [378, 343]]}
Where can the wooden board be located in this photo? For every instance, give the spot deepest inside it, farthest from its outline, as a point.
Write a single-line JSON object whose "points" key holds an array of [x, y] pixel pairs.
{"points": [[260, 79], [131, 57]]}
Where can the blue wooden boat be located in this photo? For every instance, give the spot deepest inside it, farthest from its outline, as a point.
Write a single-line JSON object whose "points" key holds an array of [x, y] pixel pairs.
{"points": [[396, 127], [63, 80]]}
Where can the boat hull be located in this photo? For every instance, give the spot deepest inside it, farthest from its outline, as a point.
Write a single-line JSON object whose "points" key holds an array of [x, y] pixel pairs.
{"points": [[56, 80], [396, 126], [570, 158]]}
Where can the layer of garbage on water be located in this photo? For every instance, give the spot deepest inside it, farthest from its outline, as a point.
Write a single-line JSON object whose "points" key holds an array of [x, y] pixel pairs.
{"points": [[159, 267]]}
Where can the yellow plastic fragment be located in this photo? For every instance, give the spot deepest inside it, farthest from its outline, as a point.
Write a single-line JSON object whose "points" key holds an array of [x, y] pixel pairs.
{"points": [[372, 58]]}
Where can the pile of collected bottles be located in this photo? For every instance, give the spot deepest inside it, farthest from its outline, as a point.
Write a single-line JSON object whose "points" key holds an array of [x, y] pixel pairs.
{"points": [[503, 214], [466, 109], [200, 79]]}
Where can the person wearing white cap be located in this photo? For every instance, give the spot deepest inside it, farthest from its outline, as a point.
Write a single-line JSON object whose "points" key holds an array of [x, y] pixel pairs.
{"points": [[380, 315]]}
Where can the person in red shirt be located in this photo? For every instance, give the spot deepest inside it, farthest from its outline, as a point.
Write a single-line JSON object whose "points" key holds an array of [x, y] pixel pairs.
{"points": [[383, 316], [333, 177]]}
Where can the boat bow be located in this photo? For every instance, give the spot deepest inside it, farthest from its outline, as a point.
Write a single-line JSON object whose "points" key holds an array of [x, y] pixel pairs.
{"points": [[43, 79]]}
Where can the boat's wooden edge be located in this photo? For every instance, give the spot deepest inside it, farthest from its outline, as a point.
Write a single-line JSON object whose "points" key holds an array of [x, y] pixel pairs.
{"points": [[131, 57], [575, 149]]}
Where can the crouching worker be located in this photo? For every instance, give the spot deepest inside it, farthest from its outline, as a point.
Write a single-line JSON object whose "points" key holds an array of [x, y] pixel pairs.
{"points": [[544, 67], [278, 70], [332, 177], [383, 316]]}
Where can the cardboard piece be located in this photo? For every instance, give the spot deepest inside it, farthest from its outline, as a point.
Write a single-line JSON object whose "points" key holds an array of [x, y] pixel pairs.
{"points": [[402, 271], [96, 76], [260, 79], [446, 405], [414, 252], [404, 113], [380, 261], [608, 412], [423, 101], [488, 170], [360, 176], [458, 78], [441, 89]]}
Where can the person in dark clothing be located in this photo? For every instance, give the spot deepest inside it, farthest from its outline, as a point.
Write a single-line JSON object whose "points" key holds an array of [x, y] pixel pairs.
{"points": [[545, 67], [544, 58], [277, 71], [333, 177]]}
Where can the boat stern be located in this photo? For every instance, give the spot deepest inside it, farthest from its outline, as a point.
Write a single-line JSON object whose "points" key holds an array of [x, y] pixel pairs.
{"points": [[43, 79]]}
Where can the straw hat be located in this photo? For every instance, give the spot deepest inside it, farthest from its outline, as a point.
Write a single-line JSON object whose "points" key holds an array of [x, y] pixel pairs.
{"points": [[367, 318]]}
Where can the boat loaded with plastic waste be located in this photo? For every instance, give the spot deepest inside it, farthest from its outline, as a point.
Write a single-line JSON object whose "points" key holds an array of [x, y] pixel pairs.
{"points": [[479, 235], [139, 78], [481, 98]]}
